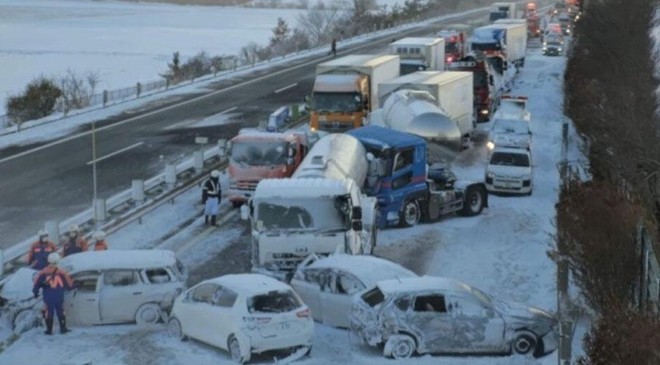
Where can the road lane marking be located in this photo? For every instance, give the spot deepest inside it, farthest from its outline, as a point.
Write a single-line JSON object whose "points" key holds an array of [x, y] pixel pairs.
{"points": [[115, 153], [285, 88], [228, 110]]}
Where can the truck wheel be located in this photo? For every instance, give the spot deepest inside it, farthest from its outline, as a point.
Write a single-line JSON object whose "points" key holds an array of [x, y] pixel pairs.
{"points": [[474, 201], [410, 214]]}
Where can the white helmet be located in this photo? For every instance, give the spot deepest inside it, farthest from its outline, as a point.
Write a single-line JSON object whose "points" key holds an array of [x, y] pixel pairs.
{"points": [[54, 258], [74, 228], [215, 173], [98, 235], [42, 233]]}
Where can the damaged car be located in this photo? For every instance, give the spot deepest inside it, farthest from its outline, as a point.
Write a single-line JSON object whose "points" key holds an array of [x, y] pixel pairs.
{"points": [[444, 316], [244, 314], [17, 303], [327, 285]]}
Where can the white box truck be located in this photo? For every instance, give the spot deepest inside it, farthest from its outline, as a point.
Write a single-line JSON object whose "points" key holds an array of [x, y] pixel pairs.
{"points": [[507, 40], [346, 90], [419, 54], [504, 10], [450, 91]]}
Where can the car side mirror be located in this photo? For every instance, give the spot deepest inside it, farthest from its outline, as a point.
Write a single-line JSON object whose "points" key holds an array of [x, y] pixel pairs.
{"points": [[245, 212], [357, 213], [356, 225]]}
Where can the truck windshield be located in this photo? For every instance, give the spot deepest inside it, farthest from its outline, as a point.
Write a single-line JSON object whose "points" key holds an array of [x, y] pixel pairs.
{"points": [[509, 159], [307, 214], [336, 102], [451, 48], [408, 68], [259, 153]]}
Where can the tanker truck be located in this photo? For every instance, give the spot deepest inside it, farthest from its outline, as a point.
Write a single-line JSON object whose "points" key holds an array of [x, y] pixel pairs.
{"points": [[320, 210], [346, 90], [434, 105], [419, 54]]}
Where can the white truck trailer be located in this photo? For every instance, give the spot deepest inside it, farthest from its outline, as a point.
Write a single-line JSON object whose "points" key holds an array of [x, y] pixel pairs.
{"points": [[320, 210], [346, 90], [502, 10], [419, 54], [508, 40], [435, 105]]}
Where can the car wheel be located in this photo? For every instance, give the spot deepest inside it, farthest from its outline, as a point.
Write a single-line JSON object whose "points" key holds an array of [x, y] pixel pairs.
{"points": [[525, 343], [234, 348], [175, 330], [474, 201], [410, 214], [401, 346], [148, 313]]}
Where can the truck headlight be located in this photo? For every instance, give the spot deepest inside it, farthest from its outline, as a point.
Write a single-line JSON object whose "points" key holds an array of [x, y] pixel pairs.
{"points": [[490, 145], [490, 175], [559, 49], [484, 112]]}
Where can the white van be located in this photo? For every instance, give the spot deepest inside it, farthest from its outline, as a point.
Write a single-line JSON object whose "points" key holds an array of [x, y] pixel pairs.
{"points": [[509, 170]]}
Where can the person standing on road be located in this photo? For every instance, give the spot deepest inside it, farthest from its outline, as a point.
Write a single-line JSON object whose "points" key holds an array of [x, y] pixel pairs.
{"points": [[74, 243], [99, 241], [333, 47], [53, 281], [211, 197], [39, 251]]}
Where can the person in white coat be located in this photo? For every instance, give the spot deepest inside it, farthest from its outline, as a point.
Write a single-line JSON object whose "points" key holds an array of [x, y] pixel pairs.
{"points": [[211, 197]]}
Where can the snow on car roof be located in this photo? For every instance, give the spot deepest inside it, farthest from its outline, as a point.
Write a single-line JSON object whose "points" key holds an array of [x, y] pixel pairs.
{"points": [[368, 269], [118, 259], [302, 187], [423, 283], [249, 284]]}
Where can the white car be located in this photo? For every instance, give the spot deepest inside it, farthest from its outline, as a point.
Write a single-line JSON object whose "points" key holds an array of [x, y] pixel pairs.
{"points": [[243, 314], [328, 285], [514, 133], [509, 170]]}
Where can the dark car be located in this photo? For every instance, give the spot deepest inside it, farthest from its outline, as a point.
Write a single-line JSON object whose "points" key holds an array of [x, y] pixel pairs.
{"points": [[553, 48]]}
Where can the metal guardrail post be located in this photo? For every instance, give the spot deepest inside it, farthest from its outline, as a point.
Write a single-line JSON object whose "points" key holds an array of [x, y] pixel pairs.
{"points": [[53, 229], [198, 161], [138, 190], [170, 175], [99, 211]]}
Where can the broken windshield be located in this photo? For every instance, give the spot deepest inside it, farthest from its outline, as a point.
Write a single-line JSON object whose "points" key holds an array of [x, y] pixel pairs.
{"points": [[313, 213], [336, 102], [259, 153]]}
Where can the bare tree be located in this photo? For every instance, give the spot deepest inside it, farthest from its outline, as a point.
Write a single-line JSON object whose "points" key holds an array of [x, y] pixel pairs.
{"points": [[77, 91], [317, 23]]}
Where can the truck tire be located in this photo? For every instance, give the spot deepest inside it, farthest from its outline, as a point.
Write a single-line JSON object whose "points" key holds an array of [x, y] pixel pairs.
{"points": [[410, 214], [474, 201]]}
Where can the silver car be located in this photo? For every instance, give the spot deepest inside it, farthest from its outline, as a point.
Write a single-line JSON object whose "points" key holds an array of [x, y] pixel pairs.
{"points": [[439, 315]]}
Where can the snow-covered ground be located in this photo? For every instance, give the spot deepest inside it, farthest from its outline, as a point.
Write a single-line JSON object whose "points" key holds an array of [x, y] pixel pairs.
{"points": [[502, 252], [125, 42]]}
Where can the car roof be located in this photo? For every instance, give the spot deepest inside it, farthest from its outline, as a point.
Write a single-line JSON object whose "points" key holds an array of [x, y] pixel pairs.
{"points": [[249, 284], [424, 283], [118, 259], [368, 269]]}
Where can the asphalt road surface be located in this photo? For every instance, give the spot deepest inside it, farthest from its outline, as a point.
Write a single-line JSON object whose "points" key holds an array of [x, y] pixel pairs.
{"points": [[53, 180]]}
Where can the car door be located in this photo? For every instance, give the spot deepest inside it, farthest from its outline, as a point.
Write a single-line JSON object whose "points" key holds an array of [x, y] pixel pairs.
{"points": [[429, 318], [307, 283], [477, 327], [223, 314], [122, 293], [200, 314], [82, 304], [337, 300]]}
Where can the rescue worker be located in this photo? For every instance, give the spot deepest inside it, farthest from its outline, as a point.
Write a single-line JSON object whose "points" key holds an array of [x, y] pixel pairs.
{"points": [[39, 251], [333, 47], [211, 197], [99, 241], [53, 281], [74, 243]]}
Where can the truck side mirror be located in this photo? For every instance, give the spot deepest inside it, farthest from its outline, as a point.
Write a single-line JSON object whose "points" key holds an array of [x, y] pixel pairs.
{"points": [[245, 212], [291, 152], [356, 225], [357, 213]]}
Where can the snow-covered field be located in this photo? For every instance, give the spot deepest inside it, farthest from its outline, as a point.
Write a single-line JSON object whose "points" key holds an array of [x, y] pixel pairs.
{"points": [[125, 42], [502, 252]]}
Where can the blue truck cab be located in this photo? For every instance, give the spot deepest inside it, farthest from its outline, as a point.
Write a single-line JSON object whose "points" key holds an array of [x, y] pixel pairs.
{"points": [[406, 191]]}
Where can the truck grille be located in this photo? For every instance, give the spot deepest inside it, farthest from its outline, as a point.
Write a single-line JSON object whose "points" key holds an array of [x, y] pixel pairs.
{"points": [[335, 127], [250, 185]]}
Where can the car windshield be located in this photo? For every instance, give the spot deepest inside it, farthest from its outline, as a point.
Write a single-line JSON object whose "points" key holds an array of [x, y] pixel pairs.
{"points": [[314, 213], [509, 159], [274, 302], [259, 153], [510, 126], [408, 68], [336, 102], [554, 43]]}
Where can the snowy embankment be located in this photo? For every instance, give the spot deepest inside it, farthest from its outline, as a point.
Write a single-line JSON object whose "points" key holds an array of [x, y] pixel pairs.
{"points": [[502, 251]]}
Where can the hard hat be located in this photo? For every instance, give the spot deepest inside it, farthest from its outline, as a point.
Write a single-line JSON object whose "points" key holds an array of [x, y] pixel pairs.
{"points": [[54, 258], [74, 228], [98, 235], [215, 173], [42, 233]]}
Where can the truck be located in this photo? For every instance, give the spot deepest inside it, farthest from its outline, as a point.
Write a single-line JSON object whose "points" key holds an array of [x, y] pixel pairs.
{"points": [[346, 90], [419, 54], [445, 114], [502, 11], [455, 44], [255, 155], [488, 83], [320, 210], [508, 40], [533, 26]]}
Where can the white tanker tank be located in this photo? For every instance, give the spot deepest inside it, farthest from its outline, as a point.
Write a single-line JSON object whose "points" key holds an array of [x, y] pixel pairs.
{"points": [[337, 157]]}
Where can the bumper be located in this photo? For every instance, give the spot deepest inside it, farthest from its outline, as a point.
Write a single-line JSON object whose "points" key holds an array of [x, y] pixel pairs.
{"points": [[508, 188], [259, 344], [335, 127], [552, 52], [366, 335], [236, 195]]}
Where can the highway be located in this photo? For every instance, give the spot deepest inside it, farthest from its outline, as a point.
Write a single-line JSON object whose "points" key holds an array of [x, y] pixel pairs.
{"points": [[53, 180]]}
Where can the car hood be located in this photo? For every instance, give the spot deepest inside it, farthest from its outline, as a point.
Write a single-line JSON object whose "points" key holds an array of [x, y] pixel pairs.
{"points": [[509, 171], [521, 315]]}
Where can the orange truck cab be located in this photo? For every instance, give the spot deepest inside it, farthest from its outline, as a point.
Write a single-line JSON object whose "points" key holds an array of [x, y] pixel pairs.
{"points": [[255, 155]]}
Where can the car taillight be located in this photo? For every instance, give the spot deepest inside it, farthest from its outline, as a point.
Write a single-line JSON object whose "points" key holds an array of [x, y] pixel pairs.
{"points": [[304, 313]]}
